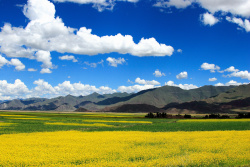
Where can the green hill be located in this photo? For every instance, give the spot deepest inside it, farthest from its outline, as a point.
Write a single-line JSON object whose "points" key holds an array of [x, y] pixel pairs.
{"points": [[168, 94], [239, 92]]}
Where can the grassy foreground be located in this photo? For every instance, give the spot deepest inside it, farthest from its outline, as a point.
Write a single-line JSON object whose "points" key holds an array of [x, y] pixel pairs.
{"points": [[94, 139]]}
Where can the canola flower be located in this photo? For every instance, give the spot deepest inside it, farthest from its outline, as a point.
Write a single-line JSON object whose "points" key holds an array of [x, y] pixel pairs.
{"points": [[140, 122], [13, 115], [30, 118], [130, 148], [214, 120], [6, 124], [77, 124]]}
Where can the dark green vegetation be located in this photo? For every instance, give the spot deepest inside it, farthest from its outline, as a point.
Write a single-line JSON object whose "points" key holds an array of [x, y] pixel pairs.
{"points": [[41, 122]]}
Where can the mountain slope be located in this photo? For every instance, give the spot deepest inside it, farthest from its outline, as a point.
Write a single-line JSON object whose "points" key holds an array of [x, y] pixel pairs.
{"points": [[239, 92], [168, 94]]}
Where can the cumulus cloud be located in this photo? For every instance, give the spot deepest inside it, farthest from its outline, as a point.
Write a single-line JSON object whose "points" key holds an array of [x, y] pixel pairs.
{"points": [[18, 64], [45, 58], [45, 33], [67, 57], [208, 19], [11, 91], [235, 7], [212, 79], [14, 62], [230, 83], [243, 24], [231, 69], [182, 75], [135, 88], [173, 3], [32, 69], [67, 87], [3, 61], [182, 86], [241, 74], [45, 71], [42, 88], [158, 73], [145, 82], [114, 62], [211, 67], [100, 5], [221, 7]]}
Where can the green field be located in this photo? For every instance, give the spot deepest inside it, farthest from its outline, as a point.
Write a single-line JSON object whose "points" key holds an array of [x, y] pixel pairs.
{"points": [[111, 139], [26, 122]]}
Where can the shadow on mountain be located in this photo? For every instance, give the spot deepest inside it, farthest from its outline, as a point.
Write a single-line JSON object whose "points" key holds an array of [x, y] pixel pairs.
{"points": [[114, 100]]}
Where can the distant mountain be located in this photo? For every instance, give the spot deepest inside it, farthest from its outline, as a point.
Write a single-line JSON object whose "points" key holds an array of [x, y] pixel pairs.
{"points": [[226, 102], [135, 108], [202, 107], [66, 103], [18, 104], [239, 92], [158, 98], [162, 96]]}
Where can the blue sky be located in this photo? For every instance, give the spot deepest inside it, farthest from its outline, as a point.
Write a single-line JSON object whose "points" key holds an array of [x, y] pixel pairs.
{"points": [[50, 48]]}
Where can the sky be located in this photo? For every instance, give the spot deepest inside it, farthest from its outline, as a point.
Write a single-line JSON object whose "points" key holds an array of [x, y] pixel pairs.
{"points": [[51, 48]]}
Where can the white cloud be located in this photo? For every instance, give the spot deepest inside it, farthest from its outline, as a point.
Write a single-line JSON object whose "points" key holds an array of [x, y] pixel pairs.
{"points": [[14, 62], [231, 83], [209, 19], [46, 33], [241, 74], [11, 91], [45, 58], [238, 8], [158, 73], [145, 82], [93, 65], [179, 50], [243, 24], [211, 67], [175, 3], [114, 62], [182, 75], [235, 7], [32, 69], [100, 5], [134, 88], [67, 57], [18, 64], [219, 84], [231, 69], [212, 79], [3, 61], [182, 86], [43, 88], [45, 71]]}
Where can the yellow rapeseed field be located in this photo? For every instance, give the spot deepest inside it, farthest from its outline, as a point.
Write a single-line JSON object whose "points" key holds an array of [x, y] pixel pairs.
{"points": [[126, 148], [97, 120], [77, 124]]}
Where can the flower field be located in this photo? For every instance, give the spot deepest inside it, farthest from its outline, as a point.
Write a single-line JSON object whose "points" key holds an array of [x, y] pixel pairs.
{"points": [[82, 140], [72, 148]]}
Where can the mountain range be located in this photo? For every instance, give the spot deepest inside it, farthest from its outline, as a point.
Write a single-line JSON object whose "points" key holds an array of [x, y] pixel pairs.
{"points": [[166, 98]]}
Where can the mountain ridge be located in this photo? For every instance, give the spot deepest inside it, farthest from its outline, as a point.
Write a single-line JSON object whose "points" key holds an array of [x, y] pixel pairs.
{"points": [[157, 97]]}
